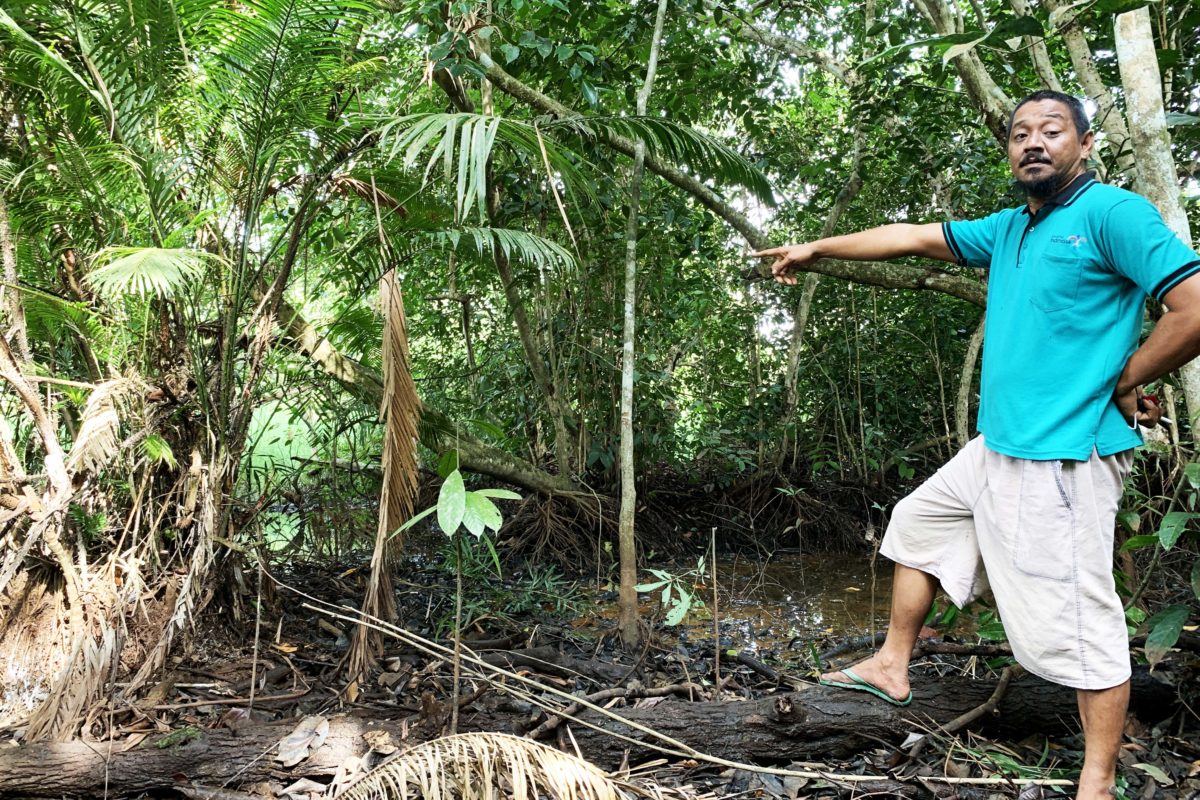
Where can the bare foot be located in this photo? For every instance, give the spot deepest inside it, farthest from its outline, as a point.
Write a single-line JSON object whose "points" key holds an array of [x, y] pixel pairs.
{"points": [[1096, 789], [891, 678]]}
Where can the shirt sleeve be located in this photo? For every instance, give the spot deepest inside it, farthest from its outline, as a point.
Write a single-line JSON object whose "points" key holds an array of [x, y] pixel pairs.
{"points": [[973, 241], [1138, 244]]}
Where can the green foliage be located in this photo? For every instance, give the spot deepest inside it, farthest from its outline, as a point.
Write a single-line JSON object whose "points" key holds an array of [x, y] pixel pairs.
{"points": [[120, 271], [1165, 628], [677, 591], [458, 507], [537, 590]]}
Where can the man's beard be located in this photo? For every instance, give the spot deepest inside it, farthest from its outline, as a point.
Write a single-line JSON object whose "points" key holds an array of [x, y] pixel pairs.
{"points": [[1041, 188]]}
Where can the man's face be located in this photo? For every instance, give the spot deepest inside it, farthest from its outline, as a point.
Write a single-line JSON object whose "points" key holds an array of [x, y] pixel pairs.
{"points": [[1044, 150]]}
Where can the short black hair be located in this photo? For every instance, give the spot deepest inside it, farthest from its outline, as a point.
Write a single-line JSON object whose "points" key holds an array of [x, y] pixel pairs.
{"points": [[1078, 113]]}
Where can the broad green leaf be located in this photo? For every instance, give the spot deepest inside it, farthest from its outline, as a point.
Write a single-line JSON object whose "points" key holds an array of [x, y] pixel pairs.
{"points": [[1131, 520], [452, 503], [158, 451], [679, 609], [488, 427], [992, 631], [1175, 120], [447, 462], [1135, 615], [1192, 470], [1119, 6], [481, 513], [1196, 578], [590, 94], [1165, 627], [511, 51], [1138, 542], [1160, 777], [649, 587], [1173, 525], [499, 494], [960, 49]]}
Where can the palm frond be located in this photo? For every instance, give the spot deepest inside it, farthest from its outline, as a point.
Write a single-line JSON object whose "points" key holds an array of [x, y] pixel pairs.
{"points": [[30, 47], [400, 411], [484, 766], [120, 271], [677, 143], [515, 245], [99, 425], [462, 145]]}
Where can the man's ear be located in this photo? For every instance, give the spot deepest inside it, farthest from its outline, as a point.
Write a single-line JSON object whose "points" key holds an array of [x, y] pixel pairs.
{"points": [[1086, 143]]}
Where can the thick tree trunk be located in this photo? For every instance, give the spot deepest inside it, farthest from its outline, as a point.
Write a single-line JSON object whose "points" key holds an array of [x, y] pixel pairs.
{"points": [[1037, 51], [812, 724], [1157, 177]]}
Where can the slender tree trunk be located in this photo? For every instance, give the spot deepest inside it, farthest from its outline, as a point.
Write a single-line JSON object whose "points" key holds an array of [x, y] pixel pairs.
{"points": [[560, 413], [627, 622], [1157, 179], [962, 406], [12, 294], [804, 306], [1037, 51]]}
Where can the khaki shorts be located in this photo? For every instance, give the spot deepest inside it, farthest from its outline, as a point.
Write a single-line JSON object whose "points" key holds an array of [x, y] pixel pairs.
{"points": [[1041, 534]]}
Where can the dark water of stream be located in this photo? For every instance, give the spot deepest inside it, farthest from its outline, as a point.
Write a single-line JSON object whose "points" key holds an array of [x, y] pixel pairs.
{"points": [[771, 603], [780, 604]]}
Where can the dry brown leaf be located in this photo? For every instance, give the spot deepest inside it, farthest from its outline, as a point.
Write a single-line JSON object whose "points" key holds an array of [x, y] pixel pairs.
{"points": [[305, 738]]}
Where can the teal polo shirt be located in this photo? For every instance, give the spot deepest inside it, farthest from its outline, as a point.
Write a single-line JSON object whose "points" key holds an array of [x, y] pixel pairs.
{"points": [[1066, 297]]}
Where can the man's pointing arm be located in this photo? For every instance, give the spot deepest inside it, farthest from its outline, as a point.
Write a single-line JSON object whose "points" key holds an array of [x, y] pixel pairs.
{"points": [[875, 244]]}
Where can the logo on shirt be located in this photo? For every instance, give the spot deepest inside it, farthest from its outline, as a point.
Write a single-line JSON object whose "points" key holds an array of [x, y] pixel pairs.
{"points": [[1074, 240]]}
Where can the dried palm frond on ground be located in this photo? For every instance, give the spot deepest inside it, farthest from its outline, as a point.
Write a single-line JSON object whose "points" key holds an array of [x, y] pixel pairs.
{"points": [[484, 766]]}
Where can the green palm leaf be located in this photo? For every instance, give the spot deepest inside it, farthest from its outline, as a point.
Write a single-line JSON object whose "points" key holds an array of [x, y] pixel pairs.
{"points": [[120, 271], [677, 143], [463, 143]]}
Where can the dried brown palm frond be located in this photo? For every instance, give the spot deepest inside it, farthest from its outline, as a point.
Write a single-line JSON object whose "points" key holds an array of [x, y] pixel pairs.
{"points": [[99, 426], [400, 411], [81, 683], [484, 766], [191, 597]]}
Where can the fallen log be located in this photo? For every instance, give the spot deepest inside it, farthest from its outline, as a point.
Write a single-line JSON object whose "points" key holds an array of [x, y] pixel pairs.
{"points": [[811, 724]]}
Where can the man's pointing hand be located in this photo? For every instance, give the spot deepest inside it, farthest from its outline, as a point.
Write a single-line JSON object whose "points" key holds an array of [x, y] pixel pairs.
{"points": [[787, 259]]}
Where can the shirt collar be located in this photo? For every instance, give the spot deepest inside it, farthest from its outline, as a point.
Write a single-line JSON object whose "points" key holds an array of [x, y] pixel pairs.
{"points": [[1068, 193]]}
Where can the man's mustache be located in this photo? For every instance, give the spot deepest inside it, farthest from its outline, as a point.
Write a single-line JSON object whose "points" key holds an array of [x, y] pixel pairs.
{"points": [[1035, 160]]}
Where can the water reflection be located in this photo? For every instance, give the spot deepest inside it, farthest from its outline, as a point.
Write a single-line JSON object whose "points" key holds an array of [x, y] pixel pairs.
{"points": [[790, 598]]}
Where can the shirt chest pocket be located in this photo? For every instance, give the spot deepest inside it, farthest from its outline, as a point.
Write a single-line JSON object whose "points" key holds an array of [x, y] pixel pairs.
{"points": [[1055, 283]]}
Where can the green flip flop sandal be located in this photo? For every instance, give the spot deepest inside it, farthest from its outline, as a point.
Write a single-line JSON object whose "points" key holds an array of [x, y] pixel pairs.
{"points": [[859, 684]]}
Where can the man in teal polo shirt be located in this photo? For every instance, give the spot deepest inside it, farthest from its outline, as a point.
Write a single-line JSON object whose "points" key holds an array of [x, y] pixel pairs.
{"points": [[1029, 506]]}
